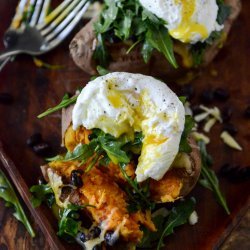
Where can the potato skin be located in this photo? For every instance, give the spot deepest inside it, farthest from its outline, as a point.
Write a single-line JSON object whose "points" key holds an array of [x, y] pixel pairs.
{"points": [[83, 45], [178, 182]]}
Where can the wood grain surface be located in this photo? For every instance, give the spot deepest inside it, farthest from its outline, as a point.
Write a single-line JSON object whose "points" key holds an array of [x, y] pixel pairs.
{"points": [[35, 89]]}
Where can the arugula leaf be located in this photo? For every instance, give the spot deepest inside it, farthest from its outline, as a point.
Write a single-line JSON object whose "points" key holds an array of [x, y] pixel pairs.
{"points": [[55, 158], [183, 99], [178, 216], [189, 124], [223, 12], [81, 152], [100, 53], [66, 101], [68, 225], [146, 51], [150, 238], [165, 224], [40, 193], [113, 150], [159, 39], [109, 15], [102, 71], [8, 194], [140, 198], [123, 28], [209, 179], [128, 21]]}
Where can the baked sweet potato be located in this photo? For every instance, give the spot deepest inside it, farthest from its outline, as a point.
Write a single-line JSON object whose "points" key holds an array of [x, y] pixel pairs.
{"points": [[176, 183], [83, 45]]}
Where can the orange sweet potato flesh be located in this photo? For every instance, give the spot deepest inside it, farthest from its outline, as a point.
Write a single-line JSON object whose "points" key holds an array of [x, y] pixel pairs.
{"points": [[83, 44], [176, 183]]}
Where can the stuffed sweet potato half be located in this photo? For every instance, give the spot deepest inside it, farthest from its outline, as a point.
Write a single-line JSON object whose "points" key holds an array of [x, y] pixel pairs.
{"points": [[135, 37], [128, 151]]}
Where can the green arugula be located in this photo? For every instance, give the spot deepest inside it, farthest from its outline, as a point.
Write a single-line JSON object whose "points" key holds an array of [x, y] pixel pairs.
{"points": [[118, 150], [101, 54], [128, 21], [8, 194], [69, 225], [209, 179], [41, 193], [139, 195], [159, 39], [66, 101], [223, 12], [189, 124], [166, 223]]}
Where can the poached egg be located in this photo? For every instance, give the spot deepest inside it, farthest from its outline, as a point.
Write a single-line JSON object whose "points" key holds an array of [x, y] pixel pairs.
{"points": [[124, 103], [189, 21]]}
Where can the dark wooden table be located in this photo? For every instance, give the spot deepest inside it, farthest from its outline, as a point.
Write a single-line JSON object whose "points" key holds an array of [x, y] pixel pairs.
{"points": [[35, 89]]}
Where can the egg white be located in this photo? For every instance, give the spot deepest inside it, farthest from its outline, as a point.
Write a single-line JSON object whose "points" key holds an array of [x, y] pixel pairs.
{"points": [[123, 103], [188, 21]]}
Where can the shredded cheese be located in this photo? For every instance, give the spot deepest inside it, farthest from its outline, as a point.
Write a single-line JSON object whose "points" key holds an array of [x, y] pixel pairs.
{"points": [[214, 112], [209, 124], [230, 141], [55, 181], [193, 218], [199, 136]]}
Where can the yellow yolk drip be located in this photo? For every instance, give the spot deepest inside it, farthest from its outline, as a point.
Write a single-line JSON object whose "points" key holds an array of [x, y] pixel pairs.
{"points": [[187, 28], [152, 139]]}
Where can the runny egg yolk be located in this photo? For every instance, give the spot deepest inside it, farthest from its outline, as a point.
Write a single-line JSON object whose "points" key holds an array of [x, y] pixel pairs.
{"points": [[187, 27], [122, 103]]}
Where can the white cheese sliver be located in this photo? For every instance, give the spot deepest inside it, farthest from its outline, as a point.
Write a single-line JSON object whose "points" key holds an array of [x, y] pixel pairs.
{"points": [[209, 124], [215, 112], [199, 136], [201, 117], [193, 218], [230, 141]]}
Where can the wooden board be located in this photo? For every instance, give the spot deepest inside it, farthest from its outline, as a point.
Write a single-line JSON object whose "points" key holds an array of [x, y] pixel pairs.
{"points": [[35, 89]]}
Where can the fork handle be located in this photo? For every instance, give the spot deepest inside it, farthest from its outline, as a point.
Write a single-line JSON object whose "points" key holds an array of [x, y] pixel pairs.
{"points": [[8, 53], [4, 62]]}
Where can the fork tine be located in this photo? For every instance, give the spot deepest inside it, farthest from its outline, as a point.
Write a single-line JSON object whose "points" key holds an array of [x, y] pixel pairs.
{"points": [[54, 14], [79, 7], [30, 10], [61, 36], [44, 11], [20, 10], [36, 12], [60, 17]]}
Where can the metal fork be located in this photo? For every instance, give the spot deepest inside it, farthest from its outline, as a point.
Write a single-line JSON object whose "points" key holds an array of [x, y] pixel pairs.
{"points": [[40, 33]]}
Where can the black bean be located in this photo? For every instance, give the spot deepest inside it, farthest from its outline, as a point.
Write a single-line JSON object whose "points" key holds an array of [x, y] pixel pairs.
{"points": [[6, 98], [221, 94], [91, 136], [226, 114], [42, 149], [34, 139], [84, 237], [97, 247], [235, 172], [227, 169], [94, 232], [207, 96], [188, 91], [247, 112], [230, 128], [76, 178], [110, 239]]}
